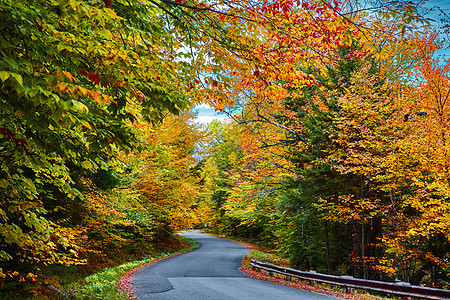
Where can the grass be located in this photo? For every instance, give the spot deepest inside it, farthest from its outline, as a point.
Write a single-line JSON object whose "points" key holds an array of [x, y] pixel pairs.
{"points": [[105, 284]]}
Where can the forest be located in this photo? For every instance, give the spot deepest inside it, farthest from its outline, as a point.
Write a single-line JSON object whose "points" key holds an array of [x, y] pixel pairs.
{"points": [[336, 155]]}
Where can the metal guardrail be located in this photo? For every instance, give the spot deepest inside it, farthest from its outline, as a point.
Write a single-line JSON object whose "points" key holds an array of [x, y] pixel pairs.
{"points": [[399, 289]]}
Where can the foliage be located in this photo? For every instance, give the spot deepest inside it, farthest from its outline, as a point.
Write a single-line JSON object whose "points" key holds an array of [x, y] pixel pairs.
{"points": [[266, 257], [361, 196], [223, 158], [168, 178], [97, 149], [68, 72], [286, 136]]}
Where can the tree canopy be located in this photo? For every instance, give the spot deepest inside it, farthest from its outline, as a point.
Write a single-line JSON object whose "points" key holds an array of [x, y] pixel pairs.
{"points": [[331, 102]]}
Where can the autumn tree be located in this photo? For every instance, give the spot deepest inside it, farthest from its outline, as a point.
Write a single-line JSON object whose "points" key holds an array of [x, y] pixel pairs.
{"points": [[419, 244], [169, 176], [222, 163], [263, 93], [364, 193]]}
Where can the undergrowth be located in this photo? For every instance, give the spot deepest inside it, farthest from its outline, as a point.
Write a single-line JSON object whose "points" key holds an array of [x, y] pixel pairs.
{"points": [[104, 284]]}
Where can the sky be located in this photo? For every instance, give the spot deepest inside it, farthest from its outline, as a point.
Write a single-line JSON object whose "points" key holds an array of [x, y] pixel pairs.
{"points": [[440, 10], [433, 9], [207, 114]]}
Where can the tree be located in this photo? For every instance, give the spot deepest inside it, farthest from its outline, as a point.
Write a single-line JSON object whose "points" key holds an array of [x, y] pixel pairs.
{"points": [[169, 178], [419, 244], [69, 70], [222, 162]]}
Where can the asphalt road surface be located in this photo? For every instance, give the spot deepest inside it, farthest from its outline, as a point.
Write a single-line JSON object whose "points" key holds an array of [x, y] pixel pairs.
{"points": [[210, 272]]}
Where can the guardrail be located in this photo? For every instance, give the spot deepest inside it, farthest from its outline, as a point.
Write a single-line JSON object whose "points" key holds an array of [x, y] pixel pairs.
{"points": [[399, 289]]}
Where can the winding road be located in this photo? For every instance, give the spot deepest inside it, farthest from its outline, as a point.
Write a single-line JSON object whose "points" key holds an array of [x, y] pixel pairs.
{"points": [[210, 272]]}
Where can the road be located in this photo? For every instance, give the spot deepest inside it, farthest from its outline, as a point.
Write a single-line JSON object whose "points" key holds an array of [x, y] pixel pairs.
{"points": [[210, 272]]}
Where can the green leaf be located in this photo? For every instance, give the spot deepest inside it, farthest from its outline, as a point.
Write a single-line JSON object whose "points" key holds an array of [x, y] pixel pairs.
{"points": [[106, 34], [86, 124], [80, 106], [88, 165], [12, 63], [18, 78]]}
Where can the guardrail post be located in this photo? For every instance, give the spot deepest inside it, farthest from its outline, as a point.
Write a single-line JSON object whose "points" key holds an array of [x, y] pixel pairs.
{"points": [[254, 268], [312, 282], [348, 290], [288, 278], [271, 273], [404, 284]]}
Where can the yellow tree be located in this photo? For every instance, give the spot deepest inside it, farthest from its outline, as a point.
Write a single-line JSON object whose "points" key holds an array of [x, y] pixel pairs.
{"points": [[425, 154], [168, 174], [394, 138]]}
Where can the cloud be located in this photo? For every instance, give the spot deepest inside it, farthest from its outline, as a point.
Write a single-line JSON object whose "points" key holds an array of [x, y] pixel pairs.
{"points": [[205, 120], [203, 106], [206, 114]]}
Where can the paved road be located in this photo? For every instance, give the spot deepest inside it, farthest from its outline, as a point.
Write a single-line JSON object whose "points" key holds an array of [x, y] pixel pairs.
{"points": [[210, 272]]}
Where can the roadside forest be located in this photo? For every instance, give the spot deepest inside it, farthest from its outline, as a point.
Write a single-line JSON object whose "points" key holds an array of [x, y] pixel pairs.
{"points": [[335, 155]]}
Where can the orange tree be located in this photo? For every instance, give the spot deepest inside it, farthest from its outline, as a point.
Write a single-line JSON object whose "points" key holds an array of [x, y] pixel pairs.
{"points": [[388, 137], [365, 198], [366, 128], [284, 170], [419, 246], [386, 134], [278, 127]]}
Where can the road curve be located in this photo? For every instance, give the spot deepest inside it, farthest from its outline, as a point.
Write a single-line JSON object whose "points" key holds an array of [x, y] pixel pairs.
{"points": [[210, 272]]}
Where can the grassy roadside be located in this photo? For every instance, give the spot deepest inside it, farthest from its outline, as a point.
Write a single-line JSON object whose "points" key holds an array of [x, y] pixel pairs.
{"points": [[268, 256], [112, 283]]}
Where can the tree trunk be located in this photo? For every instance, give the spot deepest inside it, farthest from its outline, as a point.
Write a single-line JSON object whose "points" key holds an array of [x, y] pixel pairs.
{"points": [[355, 251], [327, 242], [363, 249]]}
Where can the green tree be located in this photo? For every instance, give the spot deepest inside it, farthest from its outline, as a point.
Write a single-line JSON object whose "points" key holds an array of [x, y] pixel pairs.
{"points": [[222, 160], [315, 111], [69, 72]]}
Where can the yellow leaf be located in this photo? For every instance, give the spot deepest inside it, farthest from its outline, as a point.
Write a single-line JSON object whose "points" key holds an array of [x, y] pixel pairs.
{"points": [[4, 75]]}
